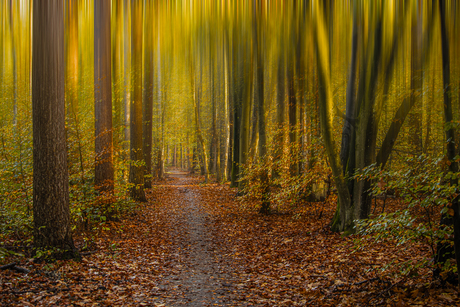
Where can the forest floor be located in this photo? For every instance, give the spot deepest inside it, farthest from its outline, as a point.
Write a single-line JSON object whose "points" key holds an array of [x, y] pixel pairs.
{"points": [[193, 244]]}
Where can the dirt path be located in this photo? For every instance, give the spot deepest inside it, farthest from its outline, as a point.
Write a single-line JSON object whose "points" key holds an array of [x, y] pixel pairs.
{"points": [[200, 273]]}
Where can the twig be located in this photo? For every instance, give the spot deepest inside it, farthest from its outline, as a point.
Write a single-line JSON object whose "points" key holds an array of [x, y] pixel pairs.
{"points": [[12, 266], [365, 281]]}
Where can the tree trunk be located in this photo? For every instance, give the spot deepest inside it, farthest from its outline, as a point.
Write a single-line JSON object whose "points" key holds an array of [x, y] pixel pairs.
{"points": [[236, 99], [50, 182], [136, 172], [199, 135], [246, 89], [280, 113], [325, 110], [148, 96], [15, 69], [442, 250], [213, 149], [104, 172], [258, 40], [416, 83], [117, 74], [292, 117], [126, 78]]}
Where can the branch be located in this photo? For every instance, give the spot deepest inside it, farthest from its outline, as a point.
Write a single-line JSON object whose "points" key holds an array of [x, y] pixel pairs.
{"points": [[12, 266]]}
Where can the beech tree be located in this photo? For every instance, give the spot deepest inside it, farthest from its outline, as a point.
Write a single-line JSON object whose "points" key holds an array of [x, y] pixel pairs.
{"points": [[50, 179]]}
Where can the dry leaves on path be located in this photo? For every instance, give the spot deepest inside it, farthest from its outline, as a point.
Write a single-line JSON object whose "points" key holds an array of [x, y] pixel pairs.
{"points": [[192, 244]]}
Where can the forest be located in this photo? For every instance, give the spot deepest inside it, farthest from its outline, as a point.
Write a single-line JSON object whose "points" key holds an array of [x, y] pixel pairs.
{"points": [[229, 153]]}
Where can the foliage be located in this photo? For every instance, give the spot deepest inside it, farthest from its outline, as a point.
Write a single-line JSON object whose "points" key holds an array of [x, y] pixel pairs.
{"points": [[427, 192], [288, 188]]}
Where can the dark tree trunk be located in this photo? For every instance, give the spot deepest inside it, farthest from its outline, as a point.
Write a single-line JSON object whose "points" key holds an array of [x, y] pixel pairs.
{"points": [[50, 182], [416, 83], [117, 74], [292, 117], [443, 250], [15, 69], [104, 172], [280, 112], [148, 96], [258, 40], [136, 173], [236, 111]]}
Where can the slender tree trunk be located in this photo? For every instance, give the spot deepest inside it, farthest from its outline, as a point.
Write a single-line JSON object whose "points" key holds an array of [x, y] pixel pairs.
{"points": [[443, 249], [237, 111], [213, 149], [117, 75], [292, 117], [258, 40], [2, 30], [416, 83], [326, 118], [280, 113], [104, 172], [246, 104], [50, 183], [199, 135], [148, 95], [136, 173], [15, 69], [72, 73], [126, 78]]}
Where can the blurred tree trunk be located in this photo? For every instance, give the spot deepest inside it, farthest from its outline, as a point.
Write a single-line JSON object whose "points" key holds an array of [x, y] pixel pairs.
{"points": [[326, 117], [15, 69], [2, 35], [259, 44], [50, 182], [444, 250], [416, 82], [73, 130], [126, 76], [292, 117], [213, 148], [104, 172], [236, 99], [117, 74], [246, 76], [228, 108], [148, 94], [136, 172], [280, 112]]}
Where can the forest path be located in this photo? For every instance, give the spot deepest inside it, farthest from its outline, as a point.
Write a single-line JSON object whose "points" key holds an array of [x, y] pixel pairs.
{"points": [[200, 275]]}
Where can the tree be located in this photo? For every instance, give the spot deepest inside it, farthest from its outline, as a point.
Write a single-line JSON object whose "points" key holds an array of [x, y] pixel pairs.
{"points": [[148, 95], [363, 110], [454, 216], [50, 182], [136, 172], [104, 172], [258, 41]]}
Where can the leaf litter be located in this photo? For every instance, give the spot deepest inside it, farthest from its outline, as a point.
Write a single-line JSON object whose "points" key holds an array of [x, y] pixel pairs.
{"points": [[193, 244]]}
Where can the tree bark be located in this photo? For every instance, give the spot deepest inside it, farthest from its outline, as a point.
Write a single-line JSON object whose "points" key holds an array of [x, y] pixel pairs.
{"points": [[50, 182], [447, 219], [148, 96], [258, 40], [416, 83], [280, 112], [104, 171], [325, 110], [136, 173]]}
